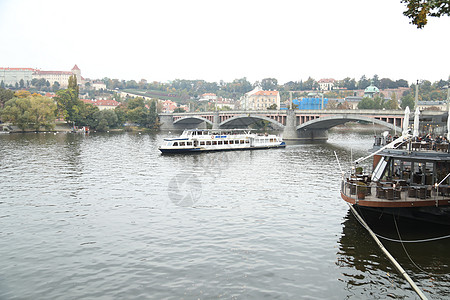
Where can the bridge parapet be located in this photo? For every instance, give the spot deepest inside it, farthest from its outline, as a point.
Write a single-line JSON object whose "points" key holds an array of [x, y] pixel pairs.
{"points": [[295, 123]]}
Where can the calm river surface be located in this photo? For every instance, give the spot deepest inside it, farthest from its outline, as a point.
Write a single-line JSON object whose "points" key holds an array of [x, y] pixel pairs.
{"points": [[106, 216]]}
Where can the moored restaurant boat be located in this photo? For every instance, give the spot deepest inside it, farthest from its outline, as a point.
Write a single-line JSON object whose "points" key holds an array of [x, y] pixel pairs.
{"points": [[409, 178], [202, 140]]}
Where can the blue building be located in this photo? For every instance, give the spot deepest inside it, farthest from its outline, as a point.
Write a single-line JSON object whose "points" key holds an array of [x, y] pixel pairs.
{"points": [[309, 103]]}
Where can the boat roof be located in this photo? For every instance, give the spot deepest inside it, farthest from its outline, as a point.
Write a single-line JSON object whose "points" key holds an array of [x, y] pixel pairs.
{"points": [[220, 130], [403, 154]]}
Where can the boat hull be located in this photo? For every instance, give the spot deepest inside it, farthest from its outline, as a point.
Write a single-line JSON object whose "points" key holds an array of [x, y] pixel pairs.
{"points": [[429, 214], [201, 150]]}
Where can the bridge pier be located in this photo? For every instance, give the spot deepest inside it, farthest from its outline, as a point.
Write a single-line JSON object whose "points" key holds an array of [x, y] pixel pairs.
{"points": [[166, 121], [216, 120], [290, 132]]}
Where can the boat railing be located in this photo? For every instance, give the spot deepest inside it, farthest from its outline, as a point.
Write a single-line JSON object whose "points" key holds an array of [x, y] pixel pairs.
{"points": [[393, 190], [416, 144]]}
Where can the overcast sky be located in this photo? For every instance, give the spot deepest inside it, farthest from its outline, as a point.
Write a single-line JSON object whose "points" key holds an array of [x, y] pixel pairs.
{"points": [[223, 40]]}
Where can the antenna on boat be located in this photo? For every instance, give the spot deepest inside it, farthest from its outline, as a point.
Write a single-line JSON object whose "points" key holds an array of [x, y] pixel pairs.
{"points": [[443, 179], [339, 164]]}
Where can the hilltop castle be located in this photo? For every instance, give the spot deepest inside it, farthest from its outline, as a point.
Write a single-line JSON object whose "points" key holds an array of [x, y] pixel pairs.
{"points": [[11, 76]]}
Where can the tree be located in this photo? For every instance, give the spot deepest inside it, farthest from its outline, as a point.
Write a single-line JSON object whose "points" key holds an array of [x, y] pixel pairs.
{"points": [[179, 110], [5, 95], [56, 86], [22, 94], [30, 112], [408, 100], [21, 83], [272, 107], [68, 104], [268, 84], [419, 10], [366, 103]]}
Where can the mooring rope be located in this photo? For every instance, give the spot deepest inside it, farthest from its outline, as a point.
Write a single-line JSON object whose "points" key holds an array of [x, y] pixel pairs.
{"points": [[389, 256]]}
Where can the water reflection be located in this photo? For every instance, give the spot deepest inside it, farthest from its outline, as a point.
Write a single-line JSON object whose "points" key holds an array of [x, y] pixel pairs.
{"points": [[364, 264]]}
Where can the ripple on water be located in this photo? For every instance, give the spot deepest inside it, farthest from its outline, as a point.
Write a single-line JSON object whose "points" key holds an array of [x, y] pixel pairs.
{"points": [[99, 217]]}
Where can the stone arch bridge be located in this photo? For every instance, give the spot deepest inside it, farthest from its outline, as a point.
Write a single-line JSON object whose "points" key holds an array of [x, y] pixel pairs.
{"points": [[295, 124]]}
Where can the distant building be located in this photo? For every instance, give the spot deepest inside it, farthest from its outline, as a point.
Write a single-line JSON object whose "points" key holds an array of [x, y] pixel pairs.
{"points": [[208, 97], [309, 103], [62, 77], [98, 85], [168, 106], [224, 103], [102, 104], [326, 84], [262, 100], [371, 91], [432, 105], [11, 76]]}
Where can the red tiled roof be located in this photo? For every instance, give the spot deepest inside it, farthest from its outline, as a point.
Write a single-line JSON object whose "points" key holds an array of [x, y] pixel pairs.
{"points": [[327, 80], [75, 68], [19, 69], [106, 103], [87, 101], [101, 102], [53, 72], [266, 93]]}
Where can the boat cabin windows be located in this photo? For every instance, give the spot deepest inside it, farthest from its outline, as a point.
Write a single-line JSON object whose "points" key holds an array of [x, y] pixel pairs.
{"points": [[202, 143], [175, 144], [182, 144], [214, 142]]}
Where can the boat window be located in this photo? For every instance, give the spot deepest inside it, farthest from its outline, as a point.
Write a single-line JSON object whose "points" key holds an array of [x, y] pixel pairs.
{"points": [[182, 144], [272, 140], [202, 143], [189, 143], [214, 142], [231, 142], [208, 142], [219, 142], [225, 142], [175, 143], [247, 141]]}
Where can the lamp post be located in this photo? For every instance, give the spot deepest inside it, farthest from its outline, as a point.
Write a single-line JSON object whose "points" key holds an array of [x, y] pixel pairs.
{"points": [[416, 101]]}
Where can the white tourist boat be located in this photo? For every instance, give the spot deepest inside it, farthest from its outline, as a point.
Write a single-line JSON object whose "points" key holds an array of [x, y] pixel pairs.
{"points": [[201, 140]]}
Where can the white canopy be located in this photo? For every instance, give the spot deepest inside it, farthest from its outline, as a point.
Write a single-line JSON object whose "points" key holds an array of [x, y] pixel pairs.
{"points": [[416, 122], [406, 121]]}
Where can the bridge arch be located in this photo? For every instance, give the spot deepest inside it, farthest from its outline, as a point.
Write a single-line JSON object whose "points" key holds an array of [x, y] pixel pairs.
{"points": [[328, 122], [191, 120], [245, 120]]}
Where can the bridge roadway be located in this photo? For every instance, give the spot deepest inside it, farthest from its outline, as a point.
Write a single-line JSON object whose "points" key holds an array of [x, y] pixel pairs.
{"points": [[295, 124]]}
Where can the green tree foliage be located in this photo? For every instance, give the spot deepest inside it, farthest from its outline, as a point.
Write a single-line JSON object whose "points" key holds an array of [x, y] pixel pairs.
{"points": [[5, 95], [105, 119], [269, 84], [56, 86], [377, 103], [138, 112], [419, 10], [30, 112], [407, 100], [68, 104]]}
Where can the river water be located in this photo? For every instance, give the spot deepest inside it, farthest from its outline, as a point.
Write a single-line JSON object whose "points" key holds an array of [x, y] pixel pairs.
{"points": [[106, 216]]}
